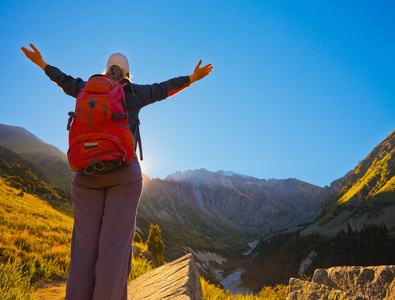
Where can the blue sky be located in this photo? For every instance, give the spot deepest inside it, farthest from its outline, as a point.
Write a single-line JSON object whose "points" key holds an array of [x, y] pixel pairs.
{"points": [[300, 89]]}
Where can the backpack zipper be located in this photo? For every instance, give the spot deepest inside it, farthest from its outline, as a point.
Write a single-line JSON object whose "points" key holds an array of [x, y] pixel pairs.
{"points": [[91, 104], [105, 113]]}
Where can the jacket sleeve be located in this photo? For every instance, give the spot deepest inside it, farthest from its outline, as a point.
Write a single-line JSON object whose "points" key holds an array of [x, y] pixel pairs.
{"points": [[71, 86], [159, 91]]}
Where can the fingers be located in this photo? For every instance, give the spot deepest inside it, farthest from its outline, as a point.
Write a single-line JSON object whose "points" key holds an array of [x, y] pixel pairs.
{"points": [[34, 48], [198, 66], [26, 51], [200, 72], [208, 68], [203, 71]]}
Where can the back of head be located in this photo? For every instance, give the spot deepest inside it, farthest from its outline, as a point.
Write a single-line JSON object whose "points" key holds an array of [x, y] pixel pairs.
{"points": [[117, 67]]}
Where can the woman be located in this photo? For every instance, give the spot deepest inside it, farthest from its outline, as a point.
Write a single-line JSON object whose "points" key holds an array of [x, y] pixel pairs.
{"points": [[105, 205]]}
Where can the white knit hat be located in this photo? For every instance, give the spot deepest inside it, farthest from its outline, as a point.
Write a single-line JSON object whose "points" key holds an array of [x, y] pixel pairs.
{"points": [[119, 60]]}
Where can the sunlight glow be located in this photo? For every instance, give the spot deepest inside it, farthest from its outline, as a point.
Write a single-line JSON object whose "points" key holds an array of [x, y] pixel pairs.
{"points": [[145, 167]]}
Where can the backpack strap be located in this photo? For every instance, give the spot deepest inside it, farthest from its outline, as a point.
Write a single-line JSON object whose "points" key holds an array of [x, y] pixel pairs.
{"points": [[137, 139], [136, 129]]}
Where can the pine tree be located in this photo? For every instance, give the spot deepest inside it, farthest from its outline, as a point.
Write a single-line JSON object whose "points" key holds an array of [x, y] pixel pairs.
{"points": [[155, 244]]}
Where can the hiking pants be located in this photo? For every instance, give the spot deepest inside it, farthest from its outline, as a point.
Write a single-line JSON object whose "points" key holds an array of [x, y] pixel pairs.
{"points": [[104, 207]]}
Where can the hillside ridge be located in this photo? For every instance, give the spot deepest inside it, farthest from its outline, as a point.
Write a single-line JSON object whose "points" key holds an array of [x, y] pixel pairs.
{"points": [[364, 195], [52, 161]]}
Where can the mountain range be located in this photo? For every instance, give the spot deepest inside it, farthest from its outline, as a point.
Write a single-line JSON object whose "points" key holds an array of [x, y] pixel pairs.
{"points": [[224, 211]]}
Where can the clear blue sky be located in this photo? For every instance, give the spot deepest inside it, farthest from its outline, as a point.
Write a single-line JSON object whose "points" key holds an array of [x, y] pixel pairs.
{"points": [[301, 89]]}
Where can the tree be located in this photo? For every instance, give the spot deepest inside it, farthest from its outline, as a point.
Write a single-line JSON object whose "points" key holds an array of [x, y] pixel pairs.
{"points": [[155, 244], [4, 165], [31, 187], [15, 165]]}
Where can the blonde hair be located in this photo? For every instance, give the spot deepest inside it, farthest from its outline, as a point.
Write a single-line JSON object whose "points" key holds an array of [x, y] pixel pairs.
{"points": [[116, 73]]}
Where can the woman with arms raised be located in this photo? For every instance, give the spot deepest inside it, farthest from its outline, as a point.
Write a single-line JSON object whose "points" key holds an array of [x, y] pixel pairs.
{"points": [[105, 203]]}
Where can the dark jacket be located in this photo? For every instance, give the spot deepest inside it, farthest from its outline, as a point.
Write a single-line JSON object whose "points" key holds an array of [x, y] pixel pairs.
{"points": [[137, 95]]}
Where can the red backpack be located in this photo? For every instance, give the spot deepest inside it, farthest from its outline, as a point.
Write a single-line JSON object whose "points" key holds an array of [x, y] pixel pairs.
{"points": [[99, 137]]}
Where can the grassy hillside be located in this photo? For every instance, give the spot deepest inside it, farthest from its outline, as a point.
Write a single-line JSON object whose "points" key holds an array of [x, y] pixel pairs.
{"points": [[34, 233], [367, 189], [34, 242], [48, 158], [10, 156], [20, 173]]}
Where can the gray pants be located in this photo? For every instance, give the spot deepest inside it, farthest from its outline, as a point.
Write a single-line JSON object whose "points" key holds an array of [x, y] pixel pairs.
{"points": [[105, 207]]}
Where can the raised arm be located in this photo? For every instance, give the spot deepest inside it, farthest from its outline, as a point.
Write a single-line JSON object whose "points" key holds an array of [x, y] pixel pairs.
{"points": [[158, 91], [35, 56], [200, 72], [70, 85]]}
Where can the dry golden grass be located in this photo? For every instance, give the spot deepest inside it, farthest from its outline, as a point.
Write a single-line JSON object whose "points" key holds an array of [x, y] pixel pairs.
{"points": [[33, 233]]}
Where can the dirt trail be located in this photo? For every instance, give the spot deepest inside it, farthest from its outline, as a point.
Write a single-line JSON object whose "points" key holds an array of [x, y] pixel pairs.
{"points": [[54, 290]]}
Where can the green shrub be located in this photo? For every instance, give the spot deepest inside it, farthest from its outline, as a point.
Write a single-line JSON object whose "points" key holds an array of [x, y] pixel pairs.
{"points": [[4, 165], [31, 187], [278, 292], [140, 266], [43, 188], [15, 166], [155, 244], [14, 184], [16, 179]]}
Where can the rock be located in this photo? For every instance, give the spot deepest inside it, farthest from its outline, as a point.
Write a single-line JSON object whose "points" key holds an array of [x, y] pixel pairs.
{"points": [[374, 283], [135, 250], [320, 275], [307, 263], [391, 291], [305, 290], [148, 255], [176, 280]]}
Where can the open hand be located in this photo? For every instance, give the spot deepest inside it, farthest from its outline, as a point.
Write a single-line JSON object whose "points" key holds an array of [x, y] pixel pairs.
{"points": [[200, 72], [35, 56]]}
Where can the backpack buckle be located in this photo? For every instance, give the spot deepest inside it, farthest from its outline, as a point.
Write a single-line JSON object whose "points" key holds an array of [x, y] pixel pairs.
{"points": [[71, 118]]}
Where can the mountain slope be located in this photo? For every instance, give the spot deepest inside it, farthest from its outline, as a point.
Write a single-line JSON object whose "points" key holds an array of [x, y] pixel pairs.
{"points": [[251, 204], [225, 211], [35, 233], [10, 156], [18, 172], [48, 158], [366, 194]]}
